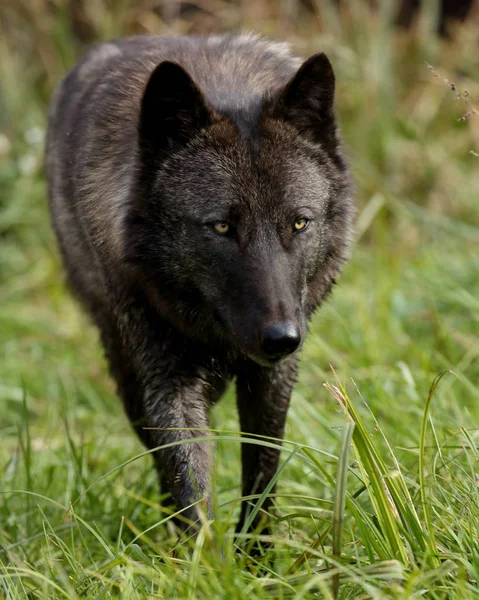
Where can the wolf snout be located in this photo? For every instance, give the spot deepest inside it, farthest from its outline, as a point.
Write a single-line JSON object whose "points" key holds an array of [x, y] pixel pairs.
{"points": [[280, 339]]}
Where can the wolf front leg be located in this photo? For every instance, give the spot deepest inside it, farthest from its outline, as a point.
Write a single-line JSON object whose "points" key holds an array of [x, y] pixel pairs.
{"points": [[263, 396], [166, 397], [173, 418]]}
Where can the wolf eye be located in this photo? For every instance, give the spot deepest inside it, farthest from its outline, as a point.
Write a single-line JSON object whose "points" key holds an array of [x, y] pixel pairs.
{"points": [[221, 227], [301, 224]]}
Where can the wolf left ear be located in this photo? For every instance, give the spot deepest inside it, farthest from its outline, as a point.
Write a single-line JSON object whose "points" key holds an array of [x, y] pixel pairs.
{"points": [[173, 109], [307, 101]]}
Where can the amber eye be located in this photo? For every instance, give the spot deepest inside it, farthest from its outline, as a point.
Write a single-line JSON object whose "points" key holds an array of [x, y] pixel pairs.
{"points": [[221, 228], [301, 224]]}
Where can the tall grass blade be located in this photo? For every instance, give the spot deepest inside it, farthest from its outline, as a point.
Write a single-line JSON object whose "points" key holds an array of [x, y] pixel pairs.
{"points": [[340, 499], [373, 471], [422, 473]]}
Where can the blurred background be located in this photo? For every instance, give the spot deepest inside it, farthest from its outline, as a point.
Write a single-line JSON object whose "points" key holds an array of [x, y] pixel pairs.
{"points": [[405, 309]]}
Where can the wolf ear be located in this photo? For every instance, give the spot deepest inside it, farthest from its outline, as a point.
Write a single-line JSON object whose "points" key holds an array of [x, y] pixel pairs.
{"points": [[307, 101], [173, 109]]}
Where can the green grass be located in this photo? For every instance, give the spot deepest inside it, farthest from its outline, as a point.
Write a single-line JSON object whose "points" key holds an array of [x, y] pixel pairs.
{"points": [[378, 494]]}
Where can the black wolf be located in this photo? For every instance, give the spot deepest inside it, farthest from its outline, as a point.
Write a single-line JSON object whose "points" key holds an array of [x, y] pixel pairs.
{"points": [[203, 209]]}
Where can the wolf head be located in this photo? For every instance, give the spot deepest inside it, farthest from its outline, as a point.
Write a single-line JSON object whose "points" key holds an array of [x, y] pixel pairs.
{"points": [[240, 221]]}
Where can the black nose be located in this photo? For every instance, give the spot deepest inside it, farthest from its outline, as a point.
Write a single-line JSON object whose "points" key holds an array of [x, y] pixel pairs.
{"points": [[280, 339]]}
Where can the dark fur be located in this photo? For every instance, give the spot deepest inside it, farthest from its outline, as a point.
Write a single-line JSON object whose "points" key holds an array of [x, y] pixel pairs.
{"points": [[142, 156]]}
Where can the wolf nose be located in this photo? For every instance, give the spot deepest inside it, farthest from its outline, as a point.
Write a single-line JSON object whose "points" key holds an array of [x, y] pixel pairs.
{"points": [[280, 339]]}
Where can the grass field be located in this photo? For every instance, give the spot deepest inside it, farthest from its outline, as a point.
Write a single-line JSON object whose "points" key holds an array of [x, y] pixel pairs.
{"points": [[395, 514]]}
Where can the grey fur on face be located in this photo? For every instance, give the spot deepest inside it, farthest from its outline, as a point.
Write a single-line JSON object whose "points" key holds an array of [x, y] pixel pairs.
{"points": [[203, 210]]}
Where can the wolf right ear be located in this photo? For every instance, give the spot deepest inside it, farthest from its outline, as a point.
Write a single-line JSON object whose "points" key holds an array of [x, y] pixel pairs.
{"points": [[173, 109], [307, 101]]}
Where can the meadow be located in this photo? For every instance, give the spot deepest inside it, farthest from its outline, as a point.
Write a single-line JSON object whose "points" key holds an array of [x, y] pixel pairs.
{"points": [[378, 491]]}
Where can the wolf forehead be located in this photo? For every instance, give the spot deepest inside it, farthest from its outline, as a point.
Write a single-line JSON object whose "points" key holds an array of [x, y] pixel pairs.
{"points": [[248, 175]]}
